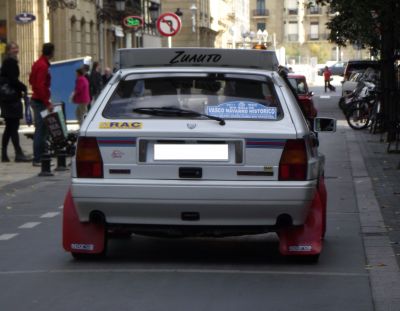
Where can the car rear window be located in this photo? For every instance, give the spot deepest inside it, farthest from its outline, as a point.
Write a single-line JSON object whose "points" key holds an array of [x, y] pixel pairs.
{"points": [[228, 96], [299, 84], [360, 66]]}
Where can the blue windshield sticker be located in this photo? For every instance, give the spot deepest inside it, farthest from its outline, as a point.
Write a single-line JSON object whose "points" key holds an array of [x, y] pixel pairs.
{"points": [[243, 110]]}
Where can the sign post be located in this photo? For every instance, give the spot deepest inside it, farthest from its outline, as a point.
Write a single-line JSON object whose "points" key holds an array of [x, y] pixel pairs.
{"points": [[168, 25]]}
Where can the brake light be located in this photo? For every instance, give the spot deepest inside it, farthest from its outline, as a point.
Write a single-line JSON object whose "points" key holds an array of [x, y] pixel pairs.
{"points": [[89, 163], [294, 162]]}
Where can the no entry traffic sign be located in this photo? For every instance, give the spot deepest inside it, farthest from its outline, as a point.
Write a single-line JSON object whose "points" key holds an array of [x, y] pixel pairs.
{"points": [[168, 24]]}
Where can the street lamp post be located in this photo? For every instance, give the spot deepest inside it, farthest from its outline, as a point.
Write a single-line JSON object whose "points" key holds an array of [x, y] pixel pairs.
{"points": [[245, 34], [252, 35], [120, 9], [193, 9], [120, 5], [154, 12]]}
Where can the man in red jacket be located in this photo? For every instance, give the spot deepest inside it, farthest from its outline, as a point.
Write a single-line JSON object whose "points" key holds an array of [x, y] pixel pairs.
{"points": [[40, 79]]}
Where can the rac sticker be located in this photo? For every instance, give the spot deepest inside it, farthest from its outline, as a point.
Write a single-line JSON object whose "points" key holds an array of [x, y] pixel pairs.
{"points": [[121, 125]]}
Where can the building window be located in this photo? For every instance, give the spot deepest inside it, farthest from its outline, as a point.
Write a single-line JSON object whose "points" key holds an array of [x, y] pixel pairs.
{"points": [[73, 37], [292, 7], [83, 37], [293, 31], [92, 39], [314, 31], [261, 26], [260, 9], [260, 5]]}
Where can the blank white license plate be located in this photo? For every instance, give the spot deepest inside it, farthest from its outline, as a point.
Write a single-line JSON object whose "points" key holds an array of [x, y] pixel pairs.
{"points": [[193, 152]]}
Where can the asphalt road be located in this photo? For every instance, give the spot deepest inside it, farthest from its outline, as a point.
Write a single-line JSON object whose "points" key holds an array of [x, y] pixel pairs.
{"points": [[141, 273]]}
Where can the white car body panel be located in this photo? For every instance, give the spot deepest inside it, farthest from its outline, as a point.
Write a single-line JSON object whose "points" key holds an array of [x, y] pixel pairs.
{"points": [[150, 192]]}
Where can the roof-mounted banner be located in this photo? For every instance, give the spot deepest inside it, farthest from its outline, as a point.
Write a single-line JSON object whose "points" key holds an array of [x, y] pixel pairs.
{"points": [[160, 57]]}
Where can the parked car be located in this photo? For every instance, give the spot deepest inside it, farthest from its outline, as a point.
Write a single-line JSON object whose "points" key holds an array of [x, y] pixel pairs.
{"points": [[192, 142], [348, 86], [337, 69], [353, 65], [357, 82], [299, 83]]}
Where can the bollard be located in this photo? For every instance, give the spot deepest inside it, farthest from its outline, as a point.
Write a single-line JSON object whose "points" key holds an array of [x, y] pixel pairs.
{"points": [[61, 161], [46, 163]]}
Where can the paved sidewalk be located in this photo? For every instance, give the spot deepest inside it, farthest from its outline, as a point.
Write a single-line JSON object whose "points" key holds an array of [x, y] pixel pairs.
{"points": [[12, 172], [384, 170]]}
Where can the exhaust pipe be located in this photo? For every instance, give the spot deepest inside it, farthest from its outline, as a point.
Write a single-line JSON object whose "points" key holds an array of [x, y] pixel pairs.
{"points": [[97, 217], [284, 220]]}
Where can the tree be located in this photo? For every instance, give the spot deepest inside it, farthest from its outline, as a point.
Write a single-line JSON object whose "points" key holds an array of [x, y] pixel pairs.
{"points": [[375, 25]]}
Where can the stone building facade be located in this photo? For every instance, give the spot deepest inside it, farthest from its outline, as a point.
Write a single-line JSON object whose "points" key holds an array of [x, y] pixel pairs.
{"points": [[78, 28], [214, 23], [300, 29]]}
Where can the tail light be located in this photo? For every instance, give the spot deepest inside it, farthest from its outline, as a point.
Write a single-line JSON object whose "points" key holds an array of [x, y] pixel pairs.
{"points": [[294, 161], [89, 163]]}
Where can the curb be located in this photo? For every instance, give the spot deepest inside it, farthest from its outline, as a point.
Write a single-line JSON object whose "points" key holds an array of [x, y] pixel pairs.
{"points": [[381, 262]]}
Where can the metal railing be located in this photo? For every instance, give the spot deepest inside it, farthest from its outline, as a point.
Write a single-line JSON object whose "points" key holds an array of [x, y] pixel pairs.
{"points": [[261, 12], [292, 37], [314, 10], [317, 37]]}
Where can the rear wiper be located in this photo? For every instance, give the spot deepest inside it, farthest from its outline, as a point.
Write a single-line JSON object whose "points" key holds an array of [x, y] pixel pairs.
{"points": [[173, 111]]}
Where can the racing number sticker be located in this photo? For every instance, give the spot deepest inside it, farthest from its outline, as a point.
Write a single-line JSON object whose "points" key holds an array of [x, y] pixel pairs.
{"points": [[169, 24]]}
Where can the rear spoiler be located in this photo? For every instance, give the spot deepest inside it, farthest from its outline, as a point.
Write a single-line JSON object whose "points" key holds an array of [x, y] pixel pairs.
{"points": [[207, 57]]}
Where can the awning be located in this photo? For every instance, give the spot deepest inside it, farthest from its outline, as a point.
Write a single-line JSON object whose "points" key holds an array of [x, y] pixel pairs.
{"points": [[119, 31]]}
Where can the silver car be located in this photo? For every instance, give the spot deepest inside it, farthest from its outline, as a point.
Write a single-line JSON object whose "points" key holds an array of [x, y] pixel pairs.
{"points": [[197, 142]]}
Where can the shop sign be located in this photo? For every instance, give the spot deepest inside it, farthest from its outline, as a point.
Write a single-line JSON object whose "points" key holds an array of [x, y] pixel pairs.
{"points": [[25, 18], [133, 22]]}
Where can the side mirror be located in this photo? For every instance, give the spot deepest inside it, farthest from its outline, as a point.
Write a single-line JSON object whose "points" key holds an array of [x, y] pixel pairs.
{"points": [[324, 124], [311, 93]]}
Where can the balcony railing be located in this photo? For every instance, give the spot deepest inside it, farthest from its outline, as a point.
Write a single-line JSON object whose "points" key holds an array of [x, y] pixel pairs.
{"points": [[260, 12], [314, 37], [292, 37], [318, 37], [314, 10], [293, 11]]}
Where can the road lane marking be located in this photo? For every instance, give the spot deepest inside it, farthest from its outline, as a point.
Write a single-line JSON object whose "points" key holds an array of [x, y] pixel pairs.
{"points": [[29, 225], [7, 236], [61, 207], [186, 271], [325, 96], [50, 215]]}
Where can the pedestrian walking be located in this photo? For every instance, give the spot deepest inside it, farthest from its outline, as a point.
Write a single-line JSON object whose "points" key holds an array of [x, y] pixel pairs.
{"points": [[40, 80], [13, 90], [96, 81], [327, 78], [81, 96], [107, 75]]}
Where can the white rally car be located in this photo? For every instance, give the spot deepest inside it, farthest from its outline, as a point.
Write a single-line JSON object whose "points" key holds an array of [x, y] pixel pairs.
{"points": [[197, 142]]}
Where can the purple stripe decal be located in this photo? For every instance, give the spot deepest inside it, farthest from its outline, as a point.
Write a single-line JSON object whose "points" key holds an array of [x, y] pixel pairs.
{"points": [[117, 141], [265, 143]]}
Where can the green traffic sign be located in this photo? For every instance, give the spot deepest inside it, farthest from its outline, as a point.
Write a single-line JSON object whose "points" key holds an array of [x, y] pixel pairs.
{"points": [[133, 21]]}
